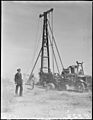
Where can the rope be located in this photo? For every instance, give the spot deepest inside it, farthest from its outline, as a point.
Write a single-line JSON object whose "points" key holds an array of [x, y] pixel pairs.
{"points": [[34, 65], [51, 22], [54, 55], [52, 42], [55, 44], [36, 45]]}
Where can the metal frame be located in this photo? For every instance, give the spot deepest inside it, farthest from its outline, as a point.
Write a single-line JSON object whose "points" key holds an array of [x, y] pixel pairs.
{"points": [[45, 43]]}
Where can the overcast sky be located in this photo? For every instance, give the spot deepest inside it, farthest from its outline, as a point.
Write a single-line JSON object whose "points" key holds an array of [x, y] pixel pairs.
{"points": [[22, 34]]}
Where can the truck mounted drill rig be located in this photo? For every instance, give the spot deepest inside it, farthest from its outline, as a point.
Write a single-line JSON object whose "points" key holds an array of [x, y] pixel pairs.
{"points": [[72, 76]]}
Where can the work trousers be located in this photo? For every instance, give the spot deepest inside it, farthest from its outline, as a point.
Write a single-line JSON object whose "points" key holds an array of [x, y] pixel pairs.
{"points": [[21, 89]]}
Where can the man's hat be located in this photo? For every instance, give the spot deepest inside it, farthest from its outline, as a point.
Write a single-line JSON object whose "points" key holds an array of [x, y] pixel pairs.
{"points": [[18, 69]]}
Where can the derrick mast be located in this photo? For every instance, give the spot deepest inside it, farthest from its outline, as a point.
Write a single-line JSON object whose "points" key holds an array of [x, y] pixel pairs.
{"points": [[45, 59]]}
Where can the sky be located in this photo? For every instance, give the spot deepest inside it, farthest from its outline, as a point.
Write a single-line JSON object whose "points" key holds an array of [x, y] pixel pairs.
{"points": [[22, 34]]}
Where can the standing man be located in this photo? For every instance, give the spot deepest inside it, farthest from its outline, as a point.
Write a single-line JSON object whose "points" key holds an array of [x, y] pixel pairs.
{"points": [[19, 82]]}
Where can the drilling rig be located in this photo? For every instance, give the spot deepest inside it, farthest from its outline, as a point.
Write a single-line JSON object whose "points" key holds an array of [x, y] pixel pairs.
{"points": [[72, 76], [45, 72]]}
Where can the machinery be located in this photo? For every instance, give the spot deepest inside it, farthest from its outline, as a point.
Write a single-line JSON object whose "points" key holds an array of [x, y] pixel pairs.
{"points": [[71, 76], [45, 74], [74, 76]]}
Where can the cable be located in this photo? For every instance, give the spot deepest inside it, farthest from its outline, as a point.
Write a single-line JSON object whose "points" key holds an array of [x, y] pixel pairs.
{"points": [[54, 55], [34, 65], [52, 41], [51, 22], [36, 45], [55, 45]]}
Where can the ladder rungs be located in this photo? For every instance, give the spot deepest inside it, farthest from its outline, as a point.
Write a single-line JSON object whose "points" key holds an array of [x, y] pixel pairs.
{"points": [[45, 67], [45, 56]]}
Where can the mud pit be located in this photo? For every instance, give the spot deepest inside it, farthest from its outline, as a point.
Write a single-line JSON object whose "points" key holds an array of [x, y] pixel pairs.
{"points": [[41, 103]]}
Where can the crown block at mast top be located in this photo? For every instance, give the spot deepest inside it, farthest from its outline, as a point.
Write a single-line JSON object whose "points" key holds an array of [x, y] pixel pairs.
{"points": [[45, 13]]}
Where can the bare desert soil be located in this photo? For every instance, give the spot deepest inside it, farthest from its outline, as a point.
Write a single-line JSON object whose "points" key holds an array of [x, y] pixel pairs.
{"points": [[41, 103]]}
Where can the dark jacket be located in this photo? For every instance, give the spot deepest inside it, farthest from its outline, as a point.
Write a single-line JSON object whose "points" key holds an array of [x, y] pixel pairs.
{"points": [[18, 78]]}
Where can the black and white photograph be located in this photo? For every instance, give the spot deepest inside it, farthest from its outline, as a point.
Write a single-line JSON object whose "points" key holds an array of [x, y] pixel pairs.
{"points": [[46, 60]]}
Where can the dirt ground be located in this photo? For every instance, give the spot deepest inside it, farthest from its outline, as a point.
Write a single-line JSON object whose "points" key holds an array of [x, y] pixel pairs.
{"points": [[41, 103]]}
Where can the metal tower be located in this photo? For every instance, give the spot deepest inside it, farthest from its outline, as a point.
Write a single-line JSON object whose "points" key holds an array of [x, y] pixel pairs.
{"points": [[45, 60], [45, 73]]}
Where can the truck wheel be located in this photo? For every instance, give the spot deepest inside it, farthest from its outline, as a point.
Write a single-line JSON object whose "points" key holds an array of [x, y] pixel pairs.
{"points": [[62, 87], [81, 87]]}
